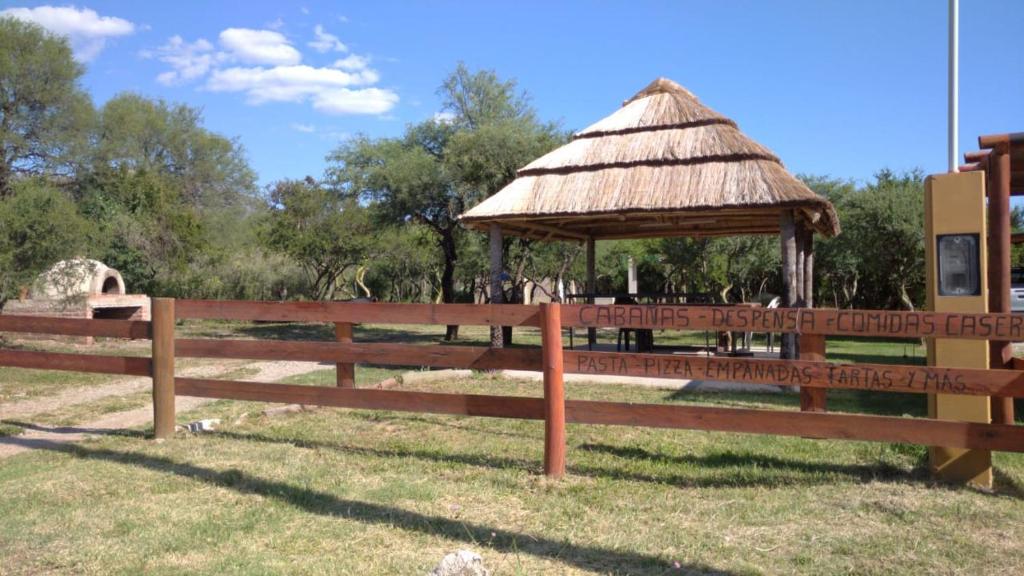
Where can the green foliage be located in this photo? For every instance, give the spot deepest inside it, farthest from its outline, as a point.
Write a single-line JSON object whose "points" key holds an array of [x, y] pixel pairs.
{"points": [[44, 114], [39, 225], [878, 260], [324, 233], [150, 233], [139, 134], [440, 168]]}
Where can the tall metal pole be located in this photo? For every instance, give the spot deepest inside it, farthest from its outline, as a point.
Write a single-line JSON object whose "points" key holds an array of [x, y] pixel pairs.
{"points": [[954, 84]]}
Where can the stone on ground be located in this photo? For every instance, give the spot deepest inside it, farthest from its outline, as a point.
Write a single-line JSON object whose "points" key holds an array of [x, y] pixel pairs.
{"points": [[461, 563]]}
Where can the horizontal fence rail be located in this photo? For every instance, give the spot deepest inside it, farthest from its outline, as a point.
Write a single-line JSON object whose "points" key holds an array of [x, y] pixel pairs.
{"points": [[110, 328], [441, 356], [127, 365], [878, 323], [361, 312], [870, 377], [521, 407], [779, 422]]}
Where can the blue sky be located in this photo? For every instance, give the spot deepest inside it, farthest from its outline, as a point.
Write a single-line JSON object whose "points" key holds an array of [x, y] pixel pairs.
{"points": [[834, 87]]}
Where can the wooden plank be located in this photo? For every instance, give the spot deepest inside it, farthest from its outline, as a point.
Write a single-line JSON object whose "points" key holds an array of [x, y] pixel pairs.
{"points": [[554, 391], [163, 368], [812, 349], [345, 371], [362, 312], [804, 424], [880, 323], [785, 423], [441, 356], [519, 407], [108, 328], [871, 377], [98, 364]]}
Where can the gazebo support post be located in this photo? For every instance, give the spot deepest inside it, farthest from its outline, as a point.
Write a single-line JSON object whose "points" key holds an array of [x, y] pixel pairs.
{"points": [[497, 296], [799, 233], [808, 268], [591, 284], [999, 230], [787, 238]]}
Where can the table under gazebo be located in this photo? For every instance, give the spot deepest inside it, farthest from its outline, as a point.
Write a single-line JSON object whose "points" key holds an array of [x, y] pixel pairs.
{"points": [[663, 165]]}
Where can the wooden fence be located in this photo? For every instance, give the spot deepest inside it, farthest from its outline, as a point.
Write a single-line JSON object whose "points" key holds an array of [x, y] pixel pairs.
{"points": [[814, 376]]}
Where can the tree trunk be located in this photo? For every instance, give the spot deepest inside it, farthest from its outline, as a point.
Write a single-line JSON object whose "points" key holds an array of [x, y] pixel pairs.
{"points": [[448, 278]]}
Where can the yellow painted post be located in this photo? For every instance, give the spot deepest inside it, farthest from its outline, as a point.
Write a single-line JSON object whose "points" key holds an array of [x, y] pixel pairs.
{"points": [[163, 366], [954, 214]]}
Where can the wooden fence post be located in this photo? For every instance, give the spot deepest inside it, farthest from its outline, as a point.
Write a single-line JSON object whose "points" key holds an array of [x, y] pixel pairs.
{"points": [[812, 349], [554, 390], [346, 372], [163, 366]]}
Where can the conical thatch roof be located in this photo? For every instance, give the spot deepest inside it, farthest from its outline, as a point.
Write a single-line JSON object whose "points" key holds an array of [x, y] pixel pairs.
{"points": [[662, 165]]}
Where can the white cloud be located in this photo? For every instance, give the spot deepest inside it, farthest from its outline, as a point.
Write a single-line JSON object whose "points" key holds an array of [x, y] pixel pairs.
{"points": [[326, 42], [352, 62], [306, 128], [188, 61], [259, 46], [277, 24], [329, 90], [343, 19], [365, 101], [277, 76], [86, 30]]}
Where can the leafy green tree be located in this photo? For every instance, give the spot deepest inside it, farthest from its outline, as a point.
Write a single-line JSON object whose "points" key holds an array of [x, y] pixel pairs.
{"points": [[405, 266], [885, 222], [39, 225], [150, 235], [440, 168], [324, 233], [45, 116], [140, 134]]}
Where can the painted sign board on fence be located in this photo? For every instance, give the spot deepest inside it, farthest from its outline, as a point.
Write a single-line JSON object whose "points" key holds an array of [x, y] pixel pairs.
{"points": [[873, 377], [801, 320]]}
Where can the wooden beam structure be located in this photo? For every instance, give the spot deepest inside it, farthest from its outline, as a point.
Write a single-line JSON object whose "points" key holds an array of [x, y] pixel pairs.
{"points": [[790, 294], [497, 269], [997, 163], [591, 283]]}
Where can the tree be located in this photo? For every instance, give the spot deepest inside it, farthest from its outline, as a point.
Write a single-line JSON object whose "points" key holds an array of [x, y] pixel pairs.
{"points": [[325, 234], [838, 263], [45, 116], [149, 233], [139, 134], [39, 226], [440, 168]]}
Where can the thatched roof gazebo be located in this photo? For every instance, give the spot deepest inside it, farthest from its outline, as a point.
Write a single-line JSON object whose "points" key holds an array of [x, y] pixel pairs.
{"points": [[662, 165]]}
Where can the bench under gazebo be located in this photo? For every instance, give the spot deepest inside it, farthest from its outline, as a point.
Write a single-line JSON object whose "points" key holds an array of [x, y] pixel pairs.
{"points": [[662, 165]]}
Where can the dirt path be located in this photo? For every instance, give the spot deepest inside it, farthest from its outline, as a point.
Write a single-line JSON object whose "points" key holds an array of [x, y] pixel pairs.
{"points": [[114, 422]]}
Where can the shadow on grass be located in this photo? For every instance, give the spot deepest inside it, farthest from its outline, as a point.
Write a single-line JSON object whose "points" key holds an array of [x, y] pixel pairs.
{"points": [[878, 471], [592, 558], [768, 471]]}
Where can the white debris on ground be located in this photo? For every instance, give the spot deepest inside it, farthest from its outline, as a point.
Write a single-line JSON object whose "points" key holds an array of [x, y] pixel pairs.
{"points": [[461, 563], [207, 425]]}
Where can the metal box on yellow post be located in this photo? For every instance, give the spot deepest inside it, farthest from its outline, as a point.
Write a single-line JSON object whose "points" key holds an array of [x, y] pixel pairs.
{"points": [[956, 279]]}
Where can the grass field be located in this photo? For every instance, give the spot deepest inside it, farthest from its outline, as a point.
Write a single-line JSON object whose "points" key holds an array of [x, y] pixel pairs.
{"points": [[355, 492]]}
